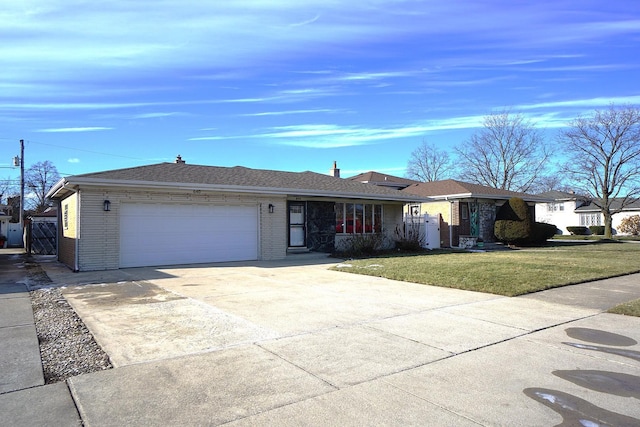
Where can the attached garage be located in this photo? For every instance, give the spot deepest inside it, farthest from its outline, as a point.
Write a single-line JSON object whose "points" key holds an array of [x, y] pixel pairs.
{"points": [[152, 234]]}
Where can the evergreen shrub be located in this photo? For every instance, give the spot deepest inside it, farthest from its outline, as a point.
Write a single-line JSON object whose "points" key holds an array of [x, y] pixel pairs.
{"points": [[513, 222], [578, 230], [542, 232]]}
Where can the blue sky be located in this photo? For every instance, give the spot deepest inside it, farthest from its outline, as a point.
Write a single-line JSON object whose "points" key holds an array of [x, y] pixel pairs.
{"points": [[294, 85]]}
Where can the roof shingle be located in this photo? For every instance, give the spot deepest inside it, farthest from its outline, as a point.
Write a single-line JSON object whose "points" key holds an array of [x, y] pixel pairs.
{"points": [[239, 177], [452, 187]]}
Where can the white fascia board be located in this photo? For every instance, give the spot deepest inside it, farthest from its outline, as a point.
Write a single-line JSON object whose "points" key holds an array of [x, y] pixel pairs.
{"points": [[239, 189], [449, 197]]}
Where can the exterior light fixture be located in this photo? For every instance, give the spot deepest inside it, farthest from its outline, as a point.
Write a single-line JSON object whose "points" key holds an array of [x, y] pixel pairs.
{"points": [[107, 205], [271, 208]]}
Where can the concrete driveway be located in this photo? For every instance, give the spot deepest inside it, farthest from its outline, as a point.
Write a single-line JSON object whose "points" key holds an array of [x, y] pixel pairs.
{"points": [[292, 343]]}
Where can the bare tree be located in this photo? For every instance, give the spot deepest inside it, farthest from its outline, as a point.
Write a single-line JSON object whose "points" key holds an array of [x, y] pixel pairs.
{"points": [[554, 180], [548, 183], [8, 188], [604, 157], [39, 178], [428, 163], [508, 153]]}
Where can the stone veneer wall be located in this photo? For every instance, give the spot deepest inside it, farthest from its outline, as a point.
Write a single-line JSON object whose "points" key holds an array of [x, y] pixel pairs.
{"points": [[487, 219]]}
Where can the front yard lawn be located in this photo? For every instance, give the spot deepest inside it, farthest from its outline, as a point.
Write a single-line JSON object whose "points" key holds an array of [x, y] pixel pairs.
{"points": [[509, 272], [631, 308]]}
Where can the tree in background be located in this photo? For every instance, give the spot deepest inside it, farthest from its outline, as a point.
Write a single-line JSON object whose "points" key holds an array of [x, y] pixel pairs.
{"points": [[428, 163], [551, 182], [508, 153], [39, 178], [10, 196], [603, 153], [8, 188]]}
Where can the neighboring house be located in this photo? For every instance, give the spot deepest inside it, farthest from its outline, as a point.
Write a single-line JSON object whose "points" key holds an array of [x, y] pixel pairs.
{"points": [[590, 214], [6, 209], [177, 213], [465, 209], [4, 228], [560, 209], [570, 210], [49, 215], [383, 180]]}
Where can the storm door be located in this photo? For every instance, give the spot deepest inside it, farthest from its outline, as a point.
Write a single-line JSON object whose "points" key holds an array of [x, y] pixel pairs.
{"points": [[297, 225]]}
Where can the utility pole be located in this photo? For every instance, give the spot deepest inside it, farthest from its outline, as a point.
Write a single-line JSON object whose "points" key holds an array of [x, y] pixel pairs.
{"points": [[22, 185]]}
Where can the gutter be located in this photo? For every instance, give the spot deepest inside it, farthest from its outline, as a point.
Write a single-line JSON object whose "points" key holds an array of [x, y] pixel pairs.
{"points": [[528, 198], [450, 221]]}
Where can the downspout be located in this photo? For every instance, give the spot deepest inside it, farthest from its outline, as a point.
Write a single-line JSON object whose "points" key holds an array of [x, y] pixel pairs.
{"points": [[76, 256], [450, 221]]}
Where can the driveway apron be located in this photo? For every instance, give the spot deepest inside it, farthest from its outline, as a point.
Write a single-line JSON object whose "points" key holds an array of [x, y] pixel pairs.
{"points": [[294, 343]]}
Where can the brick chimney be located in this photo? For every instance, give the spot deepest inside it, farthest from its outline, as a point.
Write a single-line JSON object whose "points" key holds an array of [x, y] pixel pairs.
{"points": [[179, 159], [335, 172]]}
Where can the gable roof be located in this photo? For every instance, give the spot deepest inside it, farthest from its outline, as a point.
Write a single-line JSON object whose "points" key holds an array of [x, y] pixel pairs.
{"points": [[562, 195], [383, 180], [50, 212], [615, 204], [453, 189], [229, 179]]}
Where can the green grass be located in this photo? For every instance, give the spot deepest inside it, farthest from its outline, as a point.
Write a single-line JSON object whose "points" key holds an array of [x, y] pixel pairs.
{"points": [[594, 237], [631, 308], [509, 273]]}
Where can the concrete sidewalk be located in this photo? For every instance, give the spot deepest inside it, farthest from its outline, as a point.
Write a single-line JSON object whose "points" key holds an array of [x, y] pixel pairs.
{"points": [[24, 399], [292, 343]]}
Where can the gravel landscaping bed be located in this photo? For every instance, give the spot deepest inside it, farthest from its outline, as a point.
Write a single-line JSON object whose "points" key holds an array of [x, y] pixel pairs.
{"points": [[67, 347]]}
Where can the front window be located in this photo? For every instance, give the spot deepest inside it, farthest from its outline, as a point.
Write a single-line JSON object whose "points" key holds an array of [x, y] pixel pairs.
{"points": [[590, 219], [358, 218]]}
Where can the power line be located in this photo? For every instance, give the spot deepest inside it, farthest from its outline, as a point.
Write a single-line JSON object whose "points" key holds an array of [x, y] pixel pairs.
{"points": [[83, 150]]}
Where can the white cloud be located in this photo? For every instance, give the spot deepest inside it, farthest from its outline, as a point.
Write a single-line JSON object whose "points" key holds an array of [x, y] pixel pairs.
{"points": [[287, 112], [583, 103], [336, 136], [73, 160], [68, 39], [157, 115], [76, 129], [307, 22]]}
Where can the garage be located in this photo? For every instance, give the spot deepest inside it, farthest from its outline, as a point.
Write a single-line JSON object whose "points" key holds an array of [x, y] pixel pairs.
{"points": [[158, 234]]}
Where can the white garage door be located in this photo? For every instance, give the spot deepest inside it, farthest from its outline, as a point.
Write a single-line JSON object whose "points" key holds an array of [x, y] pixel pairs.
{"points": [[153, 234]]}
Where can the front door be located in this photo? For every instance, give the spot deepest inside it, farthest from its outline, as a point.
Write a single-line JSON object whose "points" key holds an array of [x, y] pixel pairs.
{"points": [[297, 222]]}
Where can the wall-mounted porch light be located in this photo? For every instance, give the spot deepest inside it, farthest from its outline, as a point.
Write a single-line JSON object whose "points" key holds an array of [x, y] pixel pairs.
{"points": [[107, 205], [271, 208]]}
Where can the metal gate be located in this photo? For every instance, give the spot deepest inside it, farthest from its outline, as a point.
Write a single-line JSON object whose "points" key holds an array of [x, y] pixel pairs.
{"points": [[43, 238]]}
